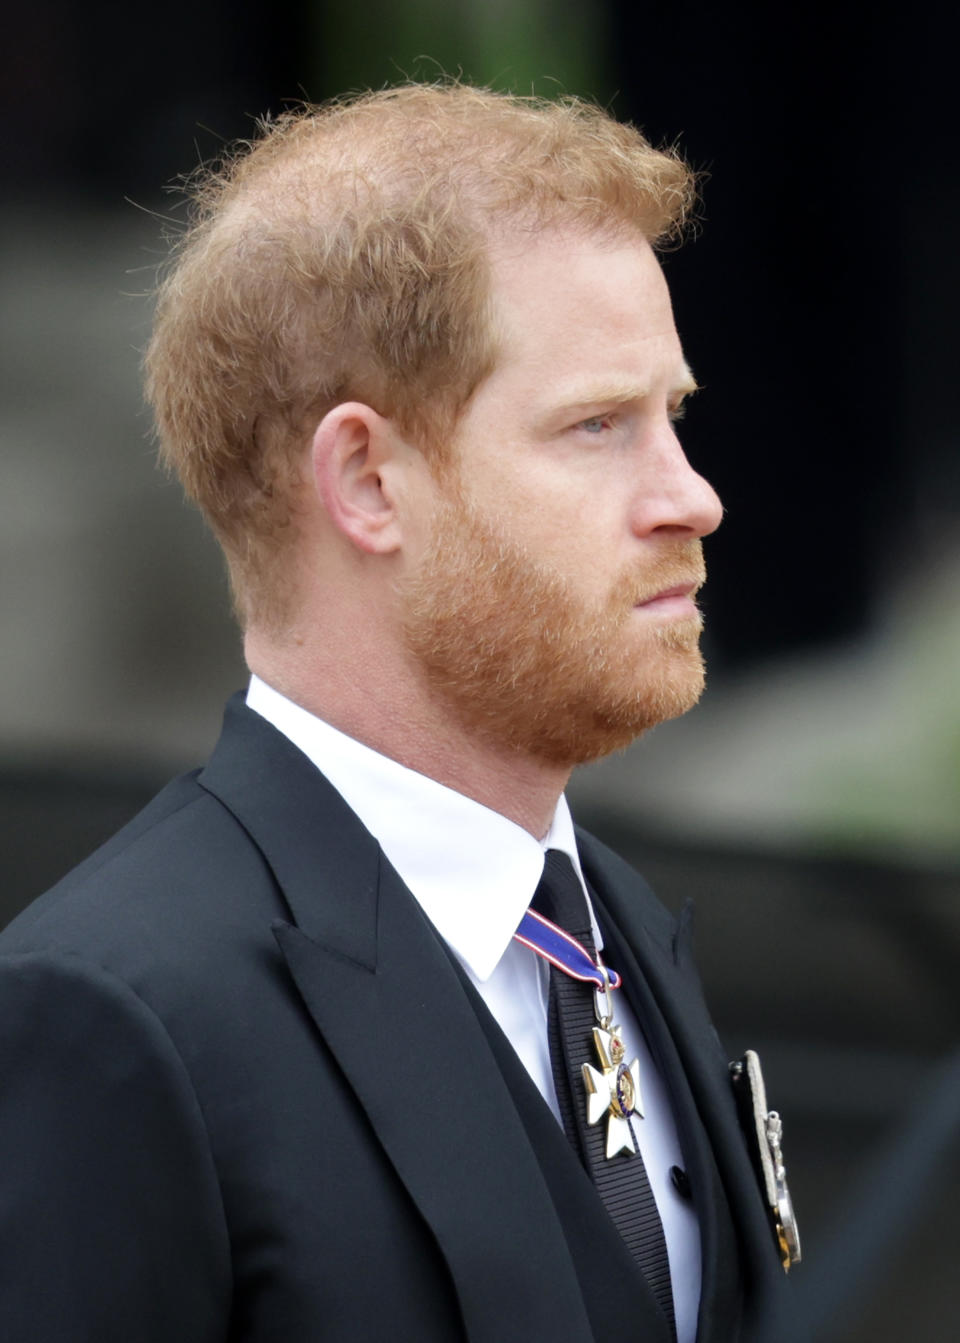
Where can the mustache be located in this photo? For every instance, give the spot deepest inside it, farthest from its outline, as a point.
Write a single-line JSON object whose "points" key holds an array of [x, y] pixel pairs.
{"points": [[680, 566]]}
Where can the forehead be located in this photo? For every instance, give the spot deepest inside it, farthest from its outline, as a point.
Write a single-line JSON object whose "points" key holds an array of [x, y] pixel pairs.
{"points": [[580, 309]]}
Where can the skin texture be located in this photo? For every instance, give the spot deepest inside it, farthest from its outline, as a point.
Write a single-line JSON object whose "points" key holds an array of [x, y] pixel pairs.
{"points": [[497, 623]]}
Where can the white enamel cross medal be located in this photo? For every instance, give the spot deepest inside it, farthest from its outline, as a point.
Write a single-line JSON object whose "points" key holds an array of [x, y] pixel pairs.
{"points": [[613, 1089]]}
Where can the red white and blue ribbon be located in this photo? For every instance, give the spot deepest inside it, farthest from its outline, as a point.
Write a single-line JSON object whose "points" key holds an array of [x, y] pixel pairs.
{"points": [[563, 951]]}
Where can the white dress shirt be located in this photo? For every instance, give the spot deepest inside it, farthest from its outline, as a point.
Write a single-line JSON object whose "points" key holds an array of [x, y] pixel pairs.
{"points": [[474, 872]]}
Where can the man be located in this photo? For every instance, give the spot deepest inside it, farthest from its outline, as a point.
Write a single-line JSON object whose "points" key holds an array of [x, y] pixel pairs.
{"points": [[275, 1065]]}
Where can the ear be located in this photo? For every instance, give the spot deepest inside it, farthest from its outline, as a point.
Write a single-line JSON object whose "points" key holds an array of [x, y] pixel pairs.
{"points": [[358, 458]]}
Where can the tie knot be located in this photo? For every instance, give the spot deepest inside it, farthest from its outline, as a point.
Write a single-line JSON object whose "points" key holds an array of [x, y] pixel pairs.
{"points": [[559, 897]]}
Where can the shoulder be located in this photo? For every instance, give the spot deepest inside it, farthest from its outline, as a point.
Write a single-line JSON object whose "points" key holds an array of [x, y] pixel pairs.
{"points": [[126, 984], [180, 899], [174, 861]]}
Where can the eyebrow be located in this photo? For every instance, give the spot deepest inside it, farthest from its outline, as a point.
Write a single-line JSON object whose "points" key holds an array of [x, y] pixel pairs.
{"points": [[618, 390]]}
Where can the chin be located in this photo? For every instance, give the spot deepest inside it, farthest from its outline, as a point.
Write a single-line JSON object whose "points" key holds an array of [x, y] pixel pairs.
{"points": [[604, 718]]}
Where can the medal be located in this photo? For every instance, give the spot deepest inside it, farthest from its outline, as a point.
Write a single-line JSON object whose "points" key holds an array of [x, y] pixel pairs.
{"points": [[764, 1132], [613, 1089]]}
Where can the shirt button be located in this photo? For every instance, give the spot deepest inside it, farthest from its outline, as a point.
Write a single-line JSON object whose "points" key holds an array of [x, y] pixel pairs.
{"points": [[681, 1181]]}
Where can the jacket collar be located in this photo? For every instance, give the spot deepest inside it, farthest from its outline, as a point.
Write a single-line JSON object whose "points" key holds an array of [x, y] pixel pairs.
{"points": [[472, 870]]}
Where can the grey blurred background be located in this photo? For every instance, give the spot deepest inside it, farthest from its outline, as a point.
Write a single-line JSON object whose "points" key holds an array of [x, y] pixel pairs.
{"points": [[810, 804]]}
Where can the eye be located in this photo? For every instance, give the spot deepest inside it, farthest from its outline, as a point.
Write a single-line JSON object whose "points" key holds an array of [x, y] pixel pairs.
{"points": [[595, 425], [678, 412]]}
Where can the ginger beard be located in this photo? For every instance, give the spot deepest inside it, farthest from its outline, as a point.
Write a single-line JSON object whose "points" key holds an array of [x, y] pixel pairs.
{"points": [[528, 662]]}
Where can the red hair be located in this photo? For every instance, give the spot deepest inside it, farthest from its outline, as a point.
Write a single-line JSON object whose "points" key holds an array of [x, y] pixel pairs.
{"points": [[343, 256]]}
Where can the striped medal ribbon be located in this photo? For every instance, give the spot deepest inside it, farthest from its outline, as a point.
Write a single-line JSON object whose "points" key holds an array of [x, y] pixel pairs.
{"points": [[563, 951]]}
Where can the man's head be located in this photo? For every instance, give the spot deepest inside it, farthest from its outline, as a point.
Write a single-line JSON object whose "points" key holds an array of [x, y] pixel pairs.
{"points": [[552, 605], [346, 257]]}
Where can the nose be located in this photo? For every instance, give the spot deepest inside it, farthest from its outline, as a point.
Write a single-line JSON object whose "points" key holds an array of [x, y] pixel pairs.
{"points": [[671, 495]]}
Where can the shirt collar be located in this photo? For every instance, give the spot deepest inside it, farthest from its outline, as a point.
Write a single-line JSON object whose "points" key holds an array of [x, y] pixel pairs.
{"points": [[472, 871]]}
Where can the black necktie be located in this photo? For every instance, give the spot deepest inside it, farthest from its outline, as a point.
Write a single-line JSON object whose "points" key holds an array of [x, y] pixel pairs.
{"points": [[621, 1180]]}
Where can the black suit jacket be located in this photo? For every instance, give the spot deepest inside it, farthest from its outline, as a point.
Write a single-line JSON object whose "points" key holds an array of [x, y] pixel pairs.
{"points": [[246, 1094]]}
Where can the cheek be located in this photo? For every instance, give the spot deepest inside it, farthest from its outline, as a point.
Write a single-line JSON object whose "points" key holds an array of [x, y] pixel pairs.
{"points": [[556, 518], [551, 520]]}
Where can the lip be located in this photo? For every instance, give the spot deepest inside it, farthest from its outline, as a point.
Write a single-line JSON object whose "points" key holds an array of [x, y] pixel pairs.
{"points": [[678, 590], [677, 601]]}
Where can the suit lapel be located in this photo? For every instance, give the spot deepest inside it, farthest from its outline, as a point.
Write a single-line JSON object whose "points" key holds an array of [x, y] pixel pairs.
{"points": [[658, 967], [387, 1001]]}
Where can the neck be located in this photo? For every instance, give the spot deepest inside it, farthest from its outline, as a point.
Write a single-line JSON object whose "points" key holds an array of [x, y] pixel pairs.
{"points": [[375, 699]]}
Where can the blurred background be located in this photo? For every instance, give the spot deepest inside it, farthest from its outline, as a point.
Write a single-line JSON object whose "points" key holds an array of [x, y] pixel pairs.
{"points": [[810, 804]]}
